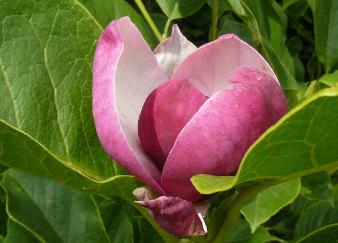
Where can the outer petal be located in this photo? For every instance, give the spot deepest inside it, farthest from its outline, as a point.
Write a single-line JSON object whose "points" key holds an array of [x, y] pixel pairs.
{"points": [[216, 138], [175, 215], [125, 71], [171, 52], [210, 66]]}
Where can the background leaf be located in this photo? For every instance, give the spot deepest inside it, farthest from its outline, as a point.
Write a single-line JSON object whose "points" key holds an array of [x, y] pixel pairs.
{"points": [[325, 234], [56, 213], [268, 202], [17, 233], [318, 187], [176, 9], [268, 24], [105, 11], [118, 225], [325, 13], [242, 234], [317, 215]]}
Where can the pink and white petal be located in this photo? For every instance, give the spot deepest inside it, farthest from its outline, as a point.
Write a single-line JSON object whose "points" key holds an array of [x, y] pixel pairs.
{"points": [[215, 140], [171, 52], [175, 215], [210, 66], [125, 71]]}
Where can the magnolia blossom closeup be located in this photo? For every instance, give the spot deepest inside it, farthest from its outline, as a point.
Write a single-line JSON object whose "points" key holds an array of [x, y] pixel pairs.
{"points": [[179, 111]]}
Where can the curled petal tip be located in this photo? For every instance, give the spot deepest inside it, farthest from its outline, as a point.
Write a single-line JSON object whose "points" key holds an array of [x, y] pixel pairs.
{"points": [[176, 215]]}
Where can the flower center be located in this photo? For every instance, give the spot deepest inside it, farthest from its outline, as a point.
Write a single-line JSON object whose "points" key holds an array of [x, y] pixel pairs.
{"points": [[164, 114]]}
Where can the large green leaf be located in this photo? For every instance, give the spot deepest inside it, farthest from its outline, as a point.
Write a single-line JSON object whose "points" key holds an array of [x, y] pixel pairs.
{"points": [[53, 212], [46, 123], [328, 233], [176, 9], [303, 142], [107, 10], [268, 202], [325, 14]]}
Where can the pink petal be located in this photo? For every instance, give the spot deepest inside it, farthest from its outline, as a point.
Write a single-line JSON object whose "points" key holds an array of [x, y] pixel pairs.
{"points": [[125, 71], [165, 112], [216, 138], [210, 66], [175, 215], [171, 52]]}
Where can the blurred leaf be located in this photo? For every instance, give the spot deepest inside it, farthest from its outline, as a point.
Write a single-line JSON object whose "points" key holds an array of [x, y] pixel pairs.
{"points": [[3, 213], [146, 232], [268, 202], [118, 225], [325, 14], [106, 11], [317, 215], [227, 25], [314, 68], [237, 8], [301, 143], [330, 79], [328, 233], [160, 21], [176, 9], [283, 223], [18, 234], [242, 234], [318, 187], [52, 211], [268, 25], [295, 8], [222, 6]]}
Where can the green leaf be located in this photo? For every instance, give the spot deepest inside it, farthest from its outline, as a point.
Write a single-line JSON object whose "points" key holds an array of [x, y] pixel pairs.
{"points": [[176, 9], [268, 25], [301, 143], [17, 233], [3, 213], [268, 202], [46, 123], [330, 79], [118, 225], [325, 14], [242, 234], [314, 217], [54, 213], [147, 233], [228, 25], [325, 234], [237, 7], [106, 10], [318, 187]]}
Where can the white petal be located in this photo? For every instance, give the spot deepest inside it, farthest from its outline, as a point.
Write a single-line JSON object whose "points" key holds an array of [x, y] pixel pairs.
{"points": [[173, 51]]}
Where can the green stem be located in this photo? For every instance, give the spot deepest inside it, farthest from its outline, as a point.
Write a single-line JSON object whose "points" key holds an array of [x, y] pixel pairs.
{"points": [[214, 19], [166, 29], [149, 20]]}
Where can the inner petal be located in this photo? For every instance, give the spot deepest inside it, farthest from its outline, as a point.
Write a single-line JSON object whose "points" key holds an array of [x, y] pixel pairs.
{"points": [[165, 112]]}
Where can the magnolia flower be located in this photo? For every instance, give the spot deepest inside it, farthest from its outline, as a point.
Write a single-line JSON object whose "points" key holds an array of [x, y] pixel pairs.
{"points": [[179, 111]]}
